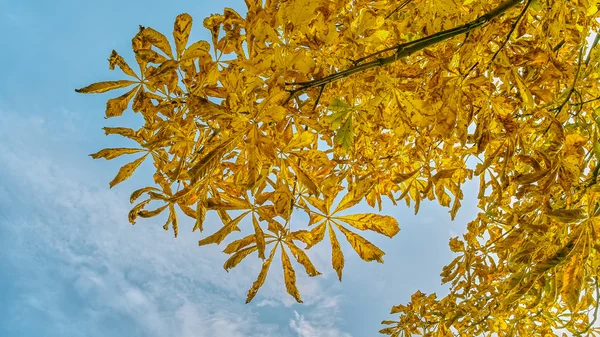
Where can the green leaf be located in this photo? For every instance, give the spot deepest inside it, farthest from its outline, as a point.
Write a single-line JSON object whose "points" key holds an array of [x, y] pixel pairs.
{"points": [[345, 135]]}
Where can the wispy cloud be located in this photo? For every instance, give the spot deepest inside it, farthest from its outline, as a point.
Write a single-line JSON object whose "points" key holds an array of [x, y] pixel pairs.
{"points": [[314, 328], [83, 267]]}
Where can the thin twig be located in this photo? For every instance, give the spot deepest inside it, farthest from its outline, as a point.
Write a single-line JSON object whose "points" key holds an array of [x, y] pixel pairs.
{"points": [[572, 89], [402, 5], [512, 29], [594, 44], [595, 311], [585, 102], [319, 97], [470, 70], [558, 45]]}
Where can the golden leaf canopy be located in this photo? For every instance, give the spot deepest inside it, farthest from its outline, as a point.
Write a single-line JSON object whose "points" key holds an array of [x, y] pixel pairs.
{"points": [[302, 101]]}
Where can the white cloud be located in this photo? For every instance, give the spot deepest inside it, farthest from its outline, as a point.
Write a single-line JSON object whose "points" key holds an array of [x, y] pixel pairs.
{"points": [[308, 328], [74, 250]]}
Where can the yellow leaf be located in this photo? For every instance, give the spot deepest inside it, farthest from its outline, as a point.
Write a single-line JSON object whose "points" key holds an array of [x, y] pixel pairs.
{"points": [[355, 195], [303, 259], [181, 32], [366, 250], [289, 276], [198, 50], [116, 106], [316, 235], [222, 233], [149, 214], [572, 283], [401, 177], [230, 204], [114, 153], [260, 280], [488, 160], [315, 218], [299, 235], [456, 245], [173, 219], [282, 199], [442, 174], [117, 60], [388, 331], [125, 132], [337, 257], [187, 210], [305, 179], [568, 215], [276, 228], [99, 87], [300, 140], [126, 171], [523, 90], [382, 224], [259, 238], [133, 213], [158, 40], [239, 244], [150, 56], [205, 164], [163, 73], [200, 214], [236, 258], [455, 206], [318, 204], [202, 107], [137, 193]]}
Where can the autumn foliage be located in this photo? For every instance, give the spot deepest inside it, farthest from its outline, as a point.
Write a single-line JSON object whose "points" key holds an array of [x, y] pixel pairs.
{"points": [[314, 106]]}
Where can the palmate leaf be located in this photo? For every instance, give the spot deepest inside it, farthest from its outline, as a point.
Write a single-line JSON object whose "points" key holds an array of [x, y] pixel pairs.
{"points": [[197, 50], [158, 40], [572, 282], [181, 32], [101, 87], [205, 164], [262, 276], [239, 244], [150, 56], [317, 234], [303, 259], [382, 224], [222, 233], [365, 249], [337, 257], [259, 237], [238, 256], [149, 214], [117, 60], [200, 215], [289, 276], [116, 106], [406, 117], [126, 171], [114, 153]]}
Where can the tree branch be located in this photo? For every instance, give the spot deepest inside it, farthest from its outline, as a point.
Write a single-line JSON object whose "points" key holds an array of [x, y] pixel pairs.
{"points": [[404, 50]]}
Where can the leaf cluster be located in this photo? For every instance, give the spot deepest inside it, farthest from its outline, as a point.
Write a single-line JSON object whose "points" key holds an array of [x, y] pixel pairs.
{"points": [[306, 104]]}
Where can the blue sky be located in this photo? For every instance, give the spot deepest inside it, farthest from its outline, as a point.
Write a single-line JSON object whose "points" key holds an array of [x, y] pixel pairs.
{"points": [[71, 263]]}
